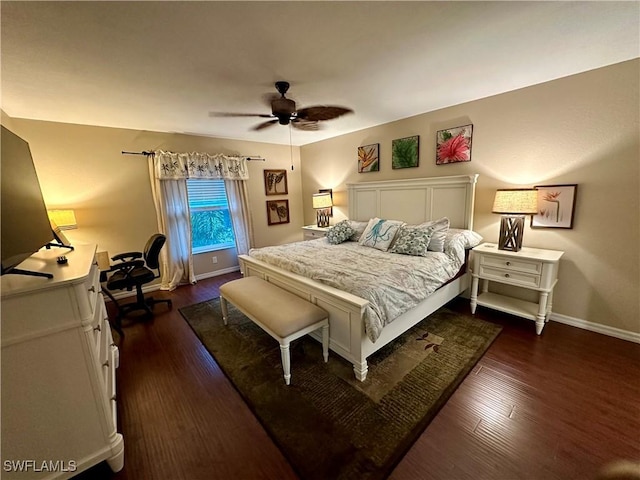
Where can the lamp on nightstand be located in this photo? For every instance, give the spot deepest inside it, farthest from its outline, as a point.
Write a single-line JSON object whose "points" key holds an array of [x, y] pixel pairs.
{"points": [[322, 204], [514, 204]]}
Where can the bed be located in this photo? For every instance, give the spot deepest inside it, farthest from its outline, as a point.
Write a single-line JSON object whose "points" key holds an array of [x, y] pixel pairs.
{"points": [[413, 201]]}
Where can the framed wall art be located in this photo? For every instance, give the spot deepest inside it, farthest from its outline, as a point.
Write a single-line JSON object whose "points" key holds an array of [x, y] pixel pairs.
{"points": [[275, 182], [405, 152], [277, 212], [453, 145], [369, 158], [556, 204]]}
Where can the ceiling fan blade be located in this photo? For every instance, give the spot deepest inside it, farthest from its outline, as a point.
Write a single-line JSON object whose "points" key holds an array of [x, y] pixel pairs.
{"points": [[231, 114], [321, 112], [307, 125], [265, 124]]}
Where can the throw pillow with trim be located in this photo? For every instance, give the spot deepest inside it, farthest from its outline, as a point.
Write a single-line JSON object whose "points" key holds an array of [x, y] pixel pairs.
{"points": [[440, 229], [359, 228], [380, 233], [340, 232], [412, 240]]}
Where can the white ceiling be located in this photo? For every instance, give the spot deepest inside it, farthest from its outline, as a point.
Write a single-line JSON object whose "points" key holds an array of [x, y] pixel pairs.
{"points": [[163, 66]]}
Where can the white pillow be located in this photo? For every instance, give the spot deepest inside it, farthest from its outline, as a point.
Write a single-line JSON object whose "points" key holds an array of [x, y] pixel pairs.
{"points": [[380, 233], [440, 228], [358, 228]]}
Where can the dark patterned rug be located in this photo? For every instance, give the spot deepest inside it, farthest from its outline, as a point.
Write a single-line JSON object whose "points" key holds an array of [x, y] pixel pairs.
{"points": [[327, 424]]}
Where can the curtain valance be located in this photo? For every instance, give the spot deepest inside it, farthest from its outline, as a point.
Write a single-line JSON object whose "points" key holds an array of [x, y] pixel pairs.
{"points": [[175, 166]]}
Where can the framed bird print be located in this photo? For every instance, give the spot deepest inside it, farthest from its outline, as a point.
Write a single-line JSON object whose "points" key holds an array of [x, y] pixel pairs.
{"points": [[275, 182], [277, 212]]}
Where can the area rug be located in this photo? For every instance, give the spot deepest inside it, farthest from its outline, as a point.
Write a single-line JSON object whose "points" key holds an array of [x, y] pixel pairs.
{"points": [[327, 424]]}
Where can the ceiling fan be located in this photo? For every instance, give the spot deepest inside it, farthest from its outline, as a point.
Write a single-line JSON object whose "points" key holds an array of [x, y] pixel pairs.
{"points": [[283, 112]]}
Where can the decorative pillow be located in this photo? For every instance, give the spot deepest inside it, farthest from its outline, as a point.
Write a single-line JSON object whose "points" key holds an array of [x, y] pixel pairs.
{"points": [[412, 240], [440, 228], [359, 228], [341, 232], [380, 233], [466, 238]]}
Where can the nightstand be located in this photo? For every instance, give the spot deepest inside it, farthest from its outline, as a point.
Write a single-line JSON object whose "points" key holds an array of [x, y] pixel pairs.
{"points": [[311, 232], [530, 268]]}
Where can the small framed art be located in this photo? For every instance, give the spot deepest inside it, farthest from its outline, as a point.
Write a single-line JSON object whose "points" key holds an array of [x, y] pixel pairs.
{"points": [[275, 182], [405, 152], [453, 145], [369, 158], [277, 212], [556, 204]]}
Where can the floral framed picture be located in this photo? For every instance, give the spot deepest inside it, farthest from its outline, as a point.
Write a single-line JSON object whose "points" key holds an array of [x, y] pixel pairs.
{"points": [[405, 152], [275, 182], [556, 204], [277, 212], [369, 158], [453, 145]]}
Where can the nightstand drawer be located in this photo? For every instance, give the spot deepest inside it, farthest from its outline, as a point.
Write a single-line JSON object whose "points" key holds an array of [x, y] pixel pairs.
{"points": [[512, 277], [310, 234], [512, 264]]}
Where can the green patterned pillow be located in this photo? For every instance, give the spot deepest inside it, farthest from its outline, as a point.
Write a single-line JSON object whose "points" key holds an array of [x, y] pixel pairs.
{"points": [[412, 240], [341, 232]]}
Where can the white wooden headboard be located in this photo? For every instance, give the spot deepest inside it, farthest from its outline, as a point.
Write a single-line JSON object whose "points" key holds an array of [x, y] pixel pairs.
{"points": [[415, 200]]}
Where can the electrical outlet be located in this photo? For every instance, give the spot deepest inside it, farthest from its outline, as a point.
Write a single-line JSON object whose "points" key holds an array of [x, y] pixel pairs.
{"points": [[214, 259]]}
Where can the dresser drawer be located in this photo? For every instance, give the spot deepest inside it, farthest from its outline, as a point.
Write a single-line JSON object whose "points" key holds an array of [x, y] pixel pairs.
{"points": [[511, 276], [511, 264]]}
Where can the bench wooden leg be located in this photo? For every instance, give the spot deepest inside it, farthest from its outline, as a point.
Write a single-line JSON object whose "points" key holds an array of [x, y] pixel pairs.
{"points": [[325, 343], [286, 364], [223, 306]]}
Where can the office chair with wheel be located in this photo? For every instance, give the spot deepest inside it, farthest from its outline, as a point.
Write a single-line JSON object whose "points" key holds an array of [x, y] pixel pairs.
{"points": [[135, 270]]}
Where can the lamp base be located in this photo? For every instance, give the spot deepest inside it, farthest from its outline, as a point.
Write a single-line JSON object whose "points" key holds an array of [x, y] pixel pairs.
{"points": [[322, 215], [511, 232]]}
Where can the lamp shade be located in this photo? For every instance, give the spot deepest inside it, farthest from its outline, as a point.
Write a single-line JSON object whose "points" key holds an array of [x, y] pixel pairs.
{"points": [[63, 219], [322, 200], [516, 201]]}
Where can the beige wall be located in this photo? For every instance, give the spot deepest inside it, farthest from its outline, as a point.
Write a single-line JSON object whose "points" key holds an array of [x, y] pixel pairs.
{"points": [[82, 167], [582, 129]]}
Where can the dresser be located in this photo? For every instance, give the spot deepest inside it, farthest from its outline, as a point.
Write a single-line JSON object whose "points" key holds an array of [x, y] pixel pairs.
{"points": [[58, 370], [530, 268], [311, 232]]}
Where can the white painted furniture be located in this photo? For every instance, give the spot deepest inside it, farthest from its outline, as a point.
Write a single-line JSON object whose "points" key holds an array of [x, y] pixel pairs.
{"points": [[58, 369], [311, 232], [530, 268], [281, 314], [413, 201]]}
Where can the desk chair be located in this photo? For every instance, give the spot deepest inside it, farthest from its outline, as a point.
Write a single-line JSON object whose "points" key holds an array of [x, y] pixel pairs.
{"points": [[135, 270]]}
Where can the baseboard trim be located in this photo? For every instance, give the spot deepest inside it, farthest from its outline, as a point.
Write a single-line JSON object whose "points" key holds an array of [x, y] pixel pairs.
{"points": [[596, 327], [216, 273], [156, 286]]}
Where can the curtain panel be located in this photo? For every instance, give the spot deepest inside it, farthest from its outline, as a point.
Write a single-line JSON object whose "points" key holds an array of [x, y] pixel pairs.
{"points": [[178, 166]]}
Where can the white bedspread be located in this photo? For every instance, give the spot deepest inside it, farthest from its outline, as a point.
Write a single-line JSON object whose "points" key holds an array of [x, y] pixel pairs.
{"points": [[392, 283]]}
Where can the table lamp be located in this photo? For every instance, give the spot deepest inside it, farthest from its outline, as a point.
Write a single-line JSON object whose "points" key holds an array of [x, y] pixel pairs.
{"points": [[514, 204], [322, 204]]}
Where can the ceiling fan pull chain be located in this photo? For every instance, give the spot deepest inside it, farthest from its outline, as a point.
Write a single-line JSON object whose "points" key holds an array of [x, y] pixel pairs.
{"points": [[290, 148]]}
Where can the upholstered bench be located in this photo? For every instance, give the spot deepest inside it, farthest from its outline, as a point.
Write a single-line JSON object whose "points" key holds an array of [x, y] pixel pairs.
{"points": [[281, 314]]}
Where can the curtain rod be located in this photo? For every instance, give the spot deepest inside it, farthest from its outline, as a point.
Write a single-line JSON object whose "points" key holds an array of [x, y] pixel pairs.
{"points": [[145, 153]]}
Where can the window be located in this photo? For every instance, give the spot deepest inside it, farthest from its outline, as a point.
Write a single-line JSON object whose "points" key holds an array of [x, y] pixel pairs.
{"points": [[211, 227]]}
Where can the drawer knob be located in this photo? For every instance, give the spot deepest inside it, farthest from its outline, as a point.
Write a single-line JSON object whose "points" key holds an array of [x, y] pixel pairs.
{"points": [[97, 328], [507, 275], [114, 398], [92, 289], [106, 364], [508, 264]]}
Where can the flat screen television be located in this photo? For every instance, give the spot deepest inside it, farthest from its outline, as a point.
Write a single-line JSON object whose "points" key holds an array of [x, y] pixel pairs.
{"points": [[24, 223]]}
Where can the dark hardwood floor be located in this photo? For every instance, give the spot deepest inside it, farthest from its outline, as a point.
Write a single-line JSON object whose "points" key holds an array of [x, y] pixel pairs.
{"points": [[555, 406]]}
